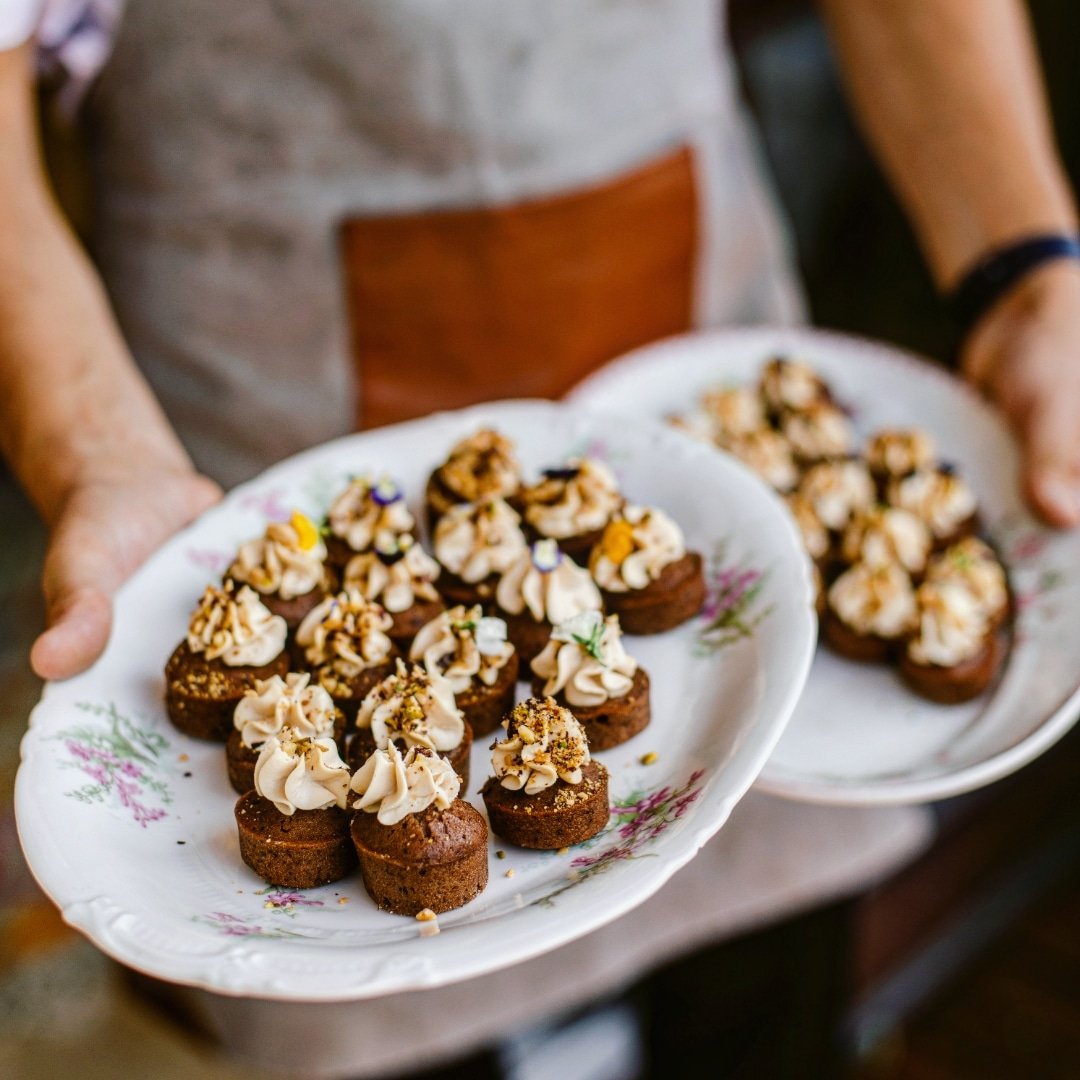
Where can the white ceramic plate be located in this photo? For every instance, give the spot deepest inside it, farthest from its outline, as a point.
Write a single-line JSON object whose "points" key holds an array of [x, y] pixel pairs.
{"points": [[128, 824], [859, 737]]}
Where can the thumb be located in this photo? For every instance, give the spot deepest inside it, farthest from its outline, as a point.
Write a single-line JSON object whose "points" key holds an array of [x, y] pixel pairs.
{"points": [[80, 619], [1052, 463]]}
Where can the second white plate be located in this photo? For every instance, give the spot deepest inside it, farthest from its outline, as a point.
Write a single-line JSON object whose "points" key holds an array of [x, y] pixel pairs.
{"points": [[858, 736]]}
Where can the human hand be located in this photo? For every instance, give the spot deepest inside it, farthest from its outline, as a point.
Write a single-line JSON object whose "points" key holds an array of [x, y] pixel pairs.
{"points": [[107, 527], [1025, 354]]}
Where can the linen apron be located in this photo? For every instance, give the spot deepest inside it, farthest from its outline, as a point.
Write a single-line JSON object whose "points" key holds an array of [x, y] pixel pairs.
{"points": [[316, 213]]}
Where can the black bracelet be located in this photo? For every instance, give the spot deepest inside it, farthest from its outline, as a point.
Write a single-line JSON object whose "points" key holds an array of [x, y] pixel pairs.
{"points": [[994, 274]]}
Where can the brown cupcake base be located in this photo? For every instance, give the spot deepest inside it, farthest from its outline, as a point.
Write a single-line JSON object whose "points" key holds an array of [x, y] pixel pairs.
{"points": [[408, 623], [954, 685], [240, 759], [616, 720], [455, 591], [863, 648], [362, 746], [485, 706], [201, 695], [301, 851], [436, 859], [556, 817], [674, 597], [528, 636]]}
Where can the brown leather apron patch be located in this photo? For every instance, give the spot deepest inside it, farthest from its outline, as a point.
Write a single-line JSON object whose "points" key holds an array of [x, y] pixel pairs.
{"points": [[452, 308]]}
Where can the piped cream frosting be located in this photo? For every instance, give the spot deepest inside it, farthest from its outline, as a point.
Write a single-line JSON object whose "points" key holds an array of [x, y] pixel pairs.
{"points": [[392, 787], [235, 627], [952, 625], [874, 600], [481, 466], [547, 584], [346, 634], [397, 574], [463, 646], [370, 512], [585, 661], [570, 501], [544, 743], [635, 548], [288, 560], [886, 534], [276, 703], [475, 540], [416, 707], [296, 773]]}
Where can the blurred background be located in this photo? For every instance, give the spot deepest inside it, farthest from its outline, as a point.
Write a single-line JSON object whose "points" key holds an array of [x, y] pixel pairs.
{"points": [[966, 965]]}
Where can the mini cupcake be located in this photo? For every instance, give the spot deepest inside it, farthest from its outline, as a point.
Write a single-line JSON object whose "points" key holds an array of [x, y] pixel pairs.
{"points": [[547, 792], [870, 609], [542, 588], [790, 386], [345, 644], [419, 845], [815, 536], [885, 534], [365, 514], [232, 643], [819, 432], [400, 575], [412, 707], [954, 653], [475, 543], [572, 504], [270, 706], [472, 653], [768, 454], [838, 490], [734, 411], [895, 452], [293, 827], [286, 566], [646, 575], [586, 668], [973, 564], [482, 466], [941, 498]]}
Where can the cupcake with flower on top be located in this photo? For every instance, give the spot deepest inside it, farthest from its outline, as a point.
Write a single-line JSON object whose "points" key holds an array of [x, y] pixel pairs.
{"points": [[541, 588], [837, 491], [481, 466], [885, 534], [412, 707], [267, 709], [942, 498], [790, 386], [293, 825], [546, 792], [366, 513], [399, 575], [420, 846], [953, 654], [345, 644], [870, 610], [286, 566], [895, 452], [972, 564], [475, 543], [586, 668], [766, 453], [471, 651], [233, 641], [572, 504], [646, 575], [820, 432]]}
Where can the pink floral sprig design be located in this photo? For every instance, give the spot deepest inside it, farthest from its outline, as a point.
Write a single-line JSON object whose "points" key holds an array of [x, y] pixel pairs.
{"points": [[286, 902], [213, 560], [733, 593], [638, 820], [239, 926], [121, 759], [271, 504]]}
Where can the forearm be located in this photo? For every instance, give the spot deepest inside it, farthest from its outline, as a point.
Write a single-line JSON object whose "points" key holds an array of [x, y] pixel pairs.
{"points": [[950, 97], [72, 404]]}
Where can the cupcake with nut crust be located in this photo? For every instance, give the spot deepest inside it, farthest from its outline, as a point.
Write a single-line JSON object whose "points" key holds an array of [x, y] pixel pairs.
{"points": [[293, 826], [547, 792], [572, 504], [896, 452], [954, 653], [942, 498], [480, 467], [788, 386], [420, 847], [286, 566], [267, 709], [345, 644], [232, 642], [541, 588], [412, 707], [586, 668], [399, 575], [837, 491], [821, 432], [886, 534], [972, 564], [475, 543], [871, 609], [471, 651], [768, 454], [646, 575]]}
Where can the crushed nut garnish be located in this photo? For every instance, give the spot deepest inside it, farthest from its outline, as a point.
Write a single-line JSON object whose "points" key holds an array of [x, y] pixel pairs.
{"points": [[563, 851], [500, 854], [510, 872], [426, 915], [651, 758]]}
